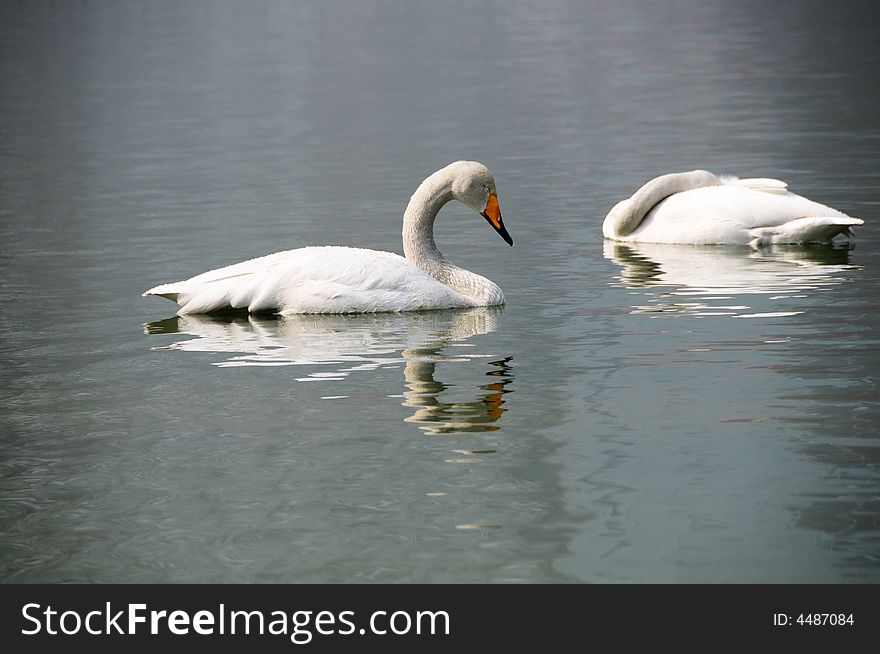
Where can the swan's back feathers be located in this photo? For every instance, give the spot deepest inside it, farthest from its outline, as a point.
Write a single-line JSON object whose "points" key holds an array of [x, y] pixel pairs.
{"points": [[765, 184], [328, 279]]}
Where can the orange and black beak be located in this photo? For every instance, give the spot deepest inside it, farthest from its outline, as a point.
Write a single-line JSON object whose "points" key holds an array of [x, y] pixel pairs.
{"points": [[492, 214]]}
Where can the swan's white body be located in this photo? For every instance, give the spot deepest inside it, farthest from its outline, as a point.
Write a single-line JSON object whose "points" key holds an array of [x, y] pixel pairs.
{"points": [[336, 279], [702, 209]]}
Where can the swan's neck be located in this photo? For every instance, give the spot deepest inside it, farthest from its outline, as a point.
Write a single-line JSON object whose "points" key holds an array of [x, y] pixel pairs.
{"points": [[420, 249], [628, 214], [418, 222]]}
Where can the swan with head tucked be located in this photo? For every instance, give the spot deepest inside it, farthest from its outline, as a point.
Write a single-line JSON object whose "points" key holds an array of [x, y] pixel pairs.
{"points": [[336, 279], [699, 207]]}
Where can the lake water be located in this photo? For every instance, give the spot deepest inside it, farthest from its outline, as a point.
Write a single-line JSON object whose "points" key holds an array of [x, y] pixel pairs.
{"points": [[633, 414]]}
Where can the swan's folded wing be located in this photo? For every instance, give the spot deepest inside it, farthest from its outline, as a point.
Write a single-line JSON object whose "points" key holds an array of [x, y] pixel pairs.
{"points": [[764, 184], [354, 280]]}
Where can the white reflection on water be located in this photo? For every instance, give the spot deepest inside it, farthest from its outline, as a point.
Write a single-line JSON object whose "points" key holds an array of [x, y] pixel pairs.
{"points": [[365, 343], [718, 280]]}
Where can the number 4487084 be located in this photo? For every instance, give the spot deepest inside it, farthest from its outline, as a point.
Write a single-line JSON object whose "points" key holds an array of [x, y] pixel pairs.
{"points": [[819, 619]]}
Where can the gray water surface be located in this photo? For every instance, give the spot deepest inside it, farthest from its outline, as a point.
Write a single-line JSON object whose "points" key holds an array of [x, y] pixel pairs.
{"points": [[633, 414]]}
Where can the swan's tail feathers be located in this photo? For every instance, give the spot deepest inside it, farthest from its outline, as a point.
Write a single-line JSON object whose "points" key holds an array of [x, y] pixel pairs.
{"points": [[765, 184], [168, 291], [818, 229], [225, 293], [207, 298]]}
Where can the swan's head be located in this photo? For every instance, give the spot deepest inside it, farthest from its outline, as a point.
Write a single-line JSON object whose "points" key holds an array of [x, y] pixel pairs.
{"points": [[473, 184]]}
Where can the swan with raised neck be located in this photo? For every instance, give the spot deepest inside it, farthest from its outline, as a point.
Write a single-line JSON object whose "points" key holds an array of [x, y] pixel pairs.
{"points": [[468, 182], [337, 279]]}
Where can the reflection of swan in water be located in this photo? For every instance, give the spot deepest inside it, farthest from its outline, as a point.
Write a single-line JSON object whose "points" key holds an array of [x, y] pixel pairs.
{"points": [[437, 417], [724, 273], [314, 339], [362, 343]]}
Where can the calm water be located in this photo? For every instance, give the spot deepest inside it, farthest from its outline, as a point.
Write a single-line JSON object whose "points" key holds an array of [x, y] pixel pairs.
{"points": [[651, 414]]}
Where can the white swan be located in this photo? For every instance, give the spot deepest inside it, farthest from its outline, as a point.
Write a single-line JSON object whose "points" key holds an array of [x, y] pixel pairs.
{"points": [[335, 279], [700, 208]]}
